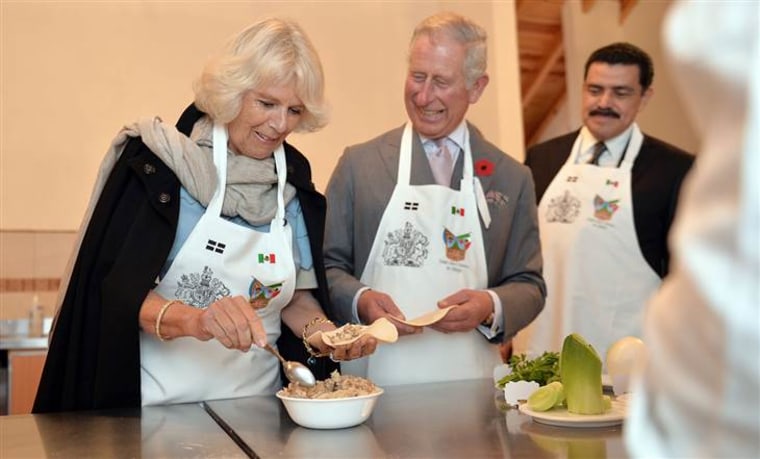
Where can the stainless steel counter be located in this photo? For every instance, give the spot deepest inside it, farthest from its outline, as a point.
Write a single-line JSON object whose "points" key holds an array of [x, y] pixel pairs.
{"points": [[168, 431], [22, 343], [457, 420], [14, 335]]}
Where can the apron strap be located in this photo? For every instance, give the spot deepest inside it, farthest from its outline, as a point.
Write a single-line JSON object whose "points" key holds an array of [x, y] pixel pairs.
{"points": [[633, 148], [469, 181], [220, 163], [405, 156], [282, 177]]}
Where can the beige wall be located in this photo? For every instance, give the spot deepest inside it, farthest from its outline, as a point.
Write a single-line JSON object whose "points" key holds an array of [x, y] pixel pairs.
{"points": [[30, 269], [73, 72], [665, 116]]}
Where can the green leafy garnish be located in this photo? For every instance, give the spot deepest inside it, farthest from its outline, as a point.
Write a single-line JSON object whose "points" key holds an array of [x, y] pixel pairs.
{"points": [[543, 369]]}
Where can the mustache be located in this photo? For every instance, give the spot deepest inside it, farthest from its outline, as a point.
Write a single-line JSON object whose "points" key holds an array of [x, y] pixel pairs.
{"points": [[604, 112]]}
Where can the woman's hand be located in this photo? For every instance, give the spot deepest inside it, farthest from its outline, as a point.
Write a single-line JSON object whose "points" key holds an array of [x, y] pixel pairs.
{"points": [[305, 317], [233, 322], [230, 320], [362, 347]]}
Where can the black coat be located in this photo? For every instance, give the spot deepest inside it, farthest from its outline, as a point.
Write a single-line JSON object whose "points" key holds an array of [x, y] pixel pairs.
{"points": [[656, 180], [93, 361]]}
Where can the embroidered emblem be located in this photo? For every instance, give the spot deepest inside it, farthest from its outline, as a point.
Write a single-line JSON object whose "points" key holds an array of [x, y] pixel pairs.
{"points": [[411, 205], [604, 210], [267, 258], [405, 247], [213, 246], [497, 198], [563, 209], [483, 168], [200, 289], [456, 246], [261, 294], [613, 183], [572, 178], [457, 211]]}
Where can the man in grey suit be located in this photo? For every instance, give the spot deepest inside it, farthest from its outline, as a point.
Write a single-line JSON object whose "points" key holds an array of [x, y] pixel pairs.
{"points": [[430, 215]]}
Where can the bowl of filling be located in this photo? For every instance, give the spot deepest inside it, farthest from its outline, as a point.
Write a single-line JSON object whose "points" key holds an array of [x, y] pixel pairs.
{"points": [[335, 403]]}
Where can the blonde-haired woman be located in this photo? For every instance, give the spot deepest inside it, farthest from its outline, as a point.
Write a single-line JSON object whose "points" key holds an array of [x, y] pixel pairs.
{"points": [[182, 272]]}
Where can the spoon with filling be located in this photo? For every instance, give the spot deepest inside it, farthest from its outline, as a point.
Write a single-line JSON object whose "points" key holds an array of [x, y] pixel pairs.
{"points": [[295, 371]]}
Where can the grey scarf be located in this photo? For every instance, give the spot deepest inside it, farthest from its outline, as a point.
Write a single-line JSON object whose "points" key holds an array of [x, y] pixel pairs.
{"points": [[251, 183]]}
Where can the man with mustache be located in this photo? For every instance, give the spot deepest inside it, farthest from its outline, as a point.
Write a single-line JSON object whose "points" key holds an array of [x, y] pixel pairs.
{"points": [[607, 196]]}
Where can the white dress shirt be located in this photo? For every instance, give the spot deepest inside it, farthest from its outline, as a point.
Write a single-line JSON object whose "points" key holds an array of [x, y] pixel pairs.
{"points": [[616, 147]]}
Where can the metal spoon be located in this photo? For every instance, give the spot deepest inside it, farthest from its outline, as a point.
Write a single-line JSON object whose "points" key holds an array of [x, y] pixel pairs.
{"points": [[295, 371]]}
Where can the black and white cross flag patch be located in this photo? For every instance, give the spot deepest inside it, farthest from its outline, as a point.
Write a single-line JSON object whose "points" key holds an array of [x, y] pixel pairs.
{"points": [[213, 246]]}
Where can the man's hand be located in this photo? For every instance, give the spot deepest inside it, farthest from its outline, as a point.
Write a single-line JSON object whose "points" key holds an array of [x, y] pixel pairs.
{"points": [[473, 307], [373, 305]]}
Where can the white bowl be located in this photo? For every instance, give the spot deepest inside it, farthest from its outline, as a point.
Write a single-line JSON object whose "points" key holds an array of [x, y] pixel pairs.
{"points": [[333, 413]]}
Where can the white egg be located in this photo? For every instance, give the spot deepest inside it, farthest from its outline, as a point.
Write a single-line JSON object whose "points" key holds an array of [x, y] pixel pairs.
{"points": [[624, 358]]}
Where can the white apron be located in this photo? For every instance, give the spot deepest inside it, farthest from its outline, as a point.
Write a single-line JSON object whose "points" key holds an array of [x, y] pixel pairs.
{"points": [[429, 245], [596, 276], [221, 258]]}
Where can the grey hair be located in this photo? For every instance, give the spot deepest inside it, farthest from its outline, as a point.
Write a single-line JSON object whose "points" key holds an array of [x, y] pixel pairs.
{"points": [[463, 31]]}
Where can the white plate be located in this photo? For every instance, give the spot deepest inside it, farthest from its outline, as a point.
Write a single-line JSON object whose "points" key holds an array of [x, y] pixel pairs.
{"points": [[562, 418]]}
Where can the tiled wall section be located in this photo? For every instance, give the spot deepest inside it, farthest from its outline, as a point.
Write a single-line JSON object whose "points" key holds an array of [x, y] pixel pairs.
{"points": [[31, 264]]}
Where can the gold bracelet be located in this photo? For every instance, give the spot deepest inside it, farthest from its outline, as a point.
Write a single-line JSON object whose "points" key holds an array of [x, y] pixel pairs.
{"points": [[160, 316], [309, 349]]}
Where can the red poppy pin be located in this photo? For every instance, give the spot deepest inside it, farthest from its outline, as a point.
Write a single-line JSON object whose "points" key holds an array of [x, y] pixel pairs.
{"points": [[483, 168]]}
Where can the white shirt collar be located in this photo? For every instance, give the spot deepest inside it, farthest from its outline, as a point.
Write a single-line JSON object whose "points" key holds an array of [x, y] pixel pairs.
{"points": [[456, 136], [616, 147]]}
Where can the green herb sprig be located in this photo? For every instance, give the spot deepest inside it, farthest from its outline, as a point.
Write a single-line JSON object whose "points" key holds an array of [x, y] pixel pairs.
{"points": [[543, 369]]}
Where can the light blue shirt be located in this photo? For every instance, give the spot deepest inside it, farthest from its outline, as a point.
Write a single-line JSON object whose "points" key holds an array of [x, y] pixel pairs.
{"points": [[190, 212]]}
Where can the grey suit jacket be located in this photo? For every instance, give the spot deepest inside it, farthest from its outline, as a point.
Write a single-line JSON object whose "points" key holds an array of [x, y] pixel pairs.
{"points": [[361, 186]]}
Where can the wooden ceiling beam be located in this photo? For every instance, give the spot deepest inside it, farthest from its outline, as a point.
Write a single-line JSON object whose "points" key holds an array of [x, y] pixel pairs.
{"points": [[626, 6], [520, 6], [546, 67], [530, 26]]}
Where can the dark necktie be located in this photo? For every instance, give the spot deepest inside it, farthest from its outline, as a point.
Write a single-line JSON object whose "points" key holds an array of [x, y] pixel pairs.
{"points": [[599, 148]]}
